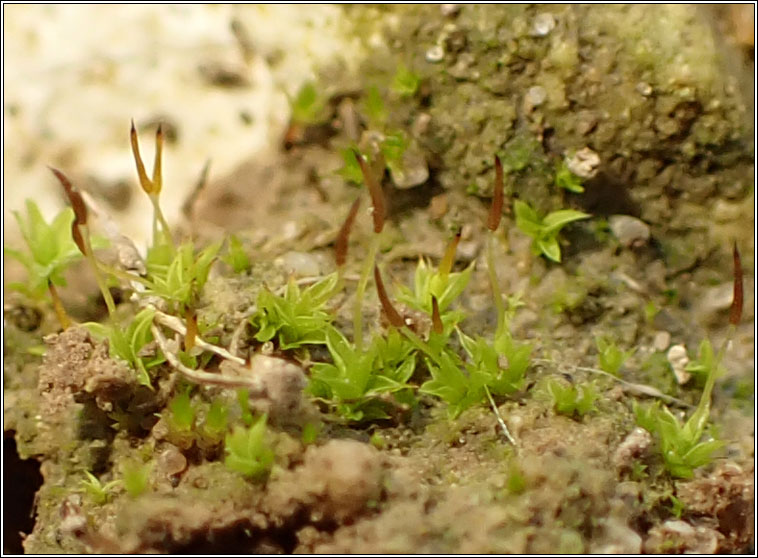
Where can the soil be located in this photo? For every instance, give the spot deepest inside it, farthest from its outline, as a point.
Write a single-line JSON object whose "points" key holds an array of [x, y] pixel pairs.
{"points": [[657, 96]]}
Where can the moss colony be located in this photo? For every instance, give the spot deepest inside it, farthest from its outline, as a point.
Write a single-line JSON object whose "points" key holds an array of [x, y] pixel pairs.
{"points": [[541, 380]]}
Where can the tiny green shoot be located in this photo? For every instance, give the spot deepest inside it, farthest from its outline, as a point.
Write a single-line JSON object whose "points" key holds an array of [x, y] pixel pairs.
{"points": [[571, 399], [182, 414], [351, 169], [610, 357], [308, 105], [127, 344], [247, 451], [357, 381], [439, 284], [701, 366], [136, 477], [97, 491], [51, 251], [683, 446], [567, 180], [373, 106], [544, 231], [298, 317], [235, 256], [215, 423], [180, 279], [405, 83]]}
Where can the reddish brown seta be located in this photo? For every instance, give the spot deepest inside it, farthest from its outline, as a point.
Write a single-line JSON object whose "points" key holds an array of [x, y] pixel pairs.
{"points": [[446, 263], [375, 189], [735, 313], [158, 166], [340, 245], [496, 209], [79, 207], [392, 315], [145, 182]]}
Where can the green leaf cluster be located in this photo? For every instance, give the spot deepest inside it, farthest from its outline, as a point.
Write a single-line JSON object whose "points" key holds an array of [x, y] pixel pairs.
{"points": [[235, 256], [373, 107], [567, 180], [247, 451], [544, 231], [610, 357], [405, 82], [96, 490], [706, 361], [497, 367], [357, 382], [298, 318], [51, 249], [308, 105], [181, 413], [393, 148], [351, 169], [178, 276], [136, 477], [521, 151], [571, 399], [429, 282], [682, 445], [127, 344]]}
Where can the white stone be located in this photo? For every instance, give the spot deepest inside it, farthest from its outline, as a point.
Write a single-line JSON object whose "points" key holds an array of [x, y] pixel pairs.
{"points": [[584, 163], [678, 359], [435, 54], [629, 230], [543, 24], [661, 341]]}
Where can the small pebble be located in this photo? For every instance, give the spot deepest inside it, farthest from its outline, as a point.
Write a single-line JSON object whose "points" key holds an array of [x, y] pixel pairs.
{"points": [[301, 264], [171, 461], [633, 446], [435, 54], [630, 231], [678, 359], [717, 298], [644, 88], [543, 24], [534, 97], [661, 341], [449, 10], [584, 163]]}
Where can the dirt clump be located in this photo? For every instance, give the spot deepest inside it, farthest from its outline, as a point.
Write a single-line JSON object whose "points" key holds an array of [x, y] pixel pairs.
{"points": [[335, 483]]}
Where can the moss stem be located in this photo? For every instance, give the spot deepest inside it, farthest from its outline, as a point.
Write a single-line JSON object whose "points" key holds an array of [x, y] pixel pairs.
{"points": [[360, 290], [89, 254], [60, 312], [496, 292]]}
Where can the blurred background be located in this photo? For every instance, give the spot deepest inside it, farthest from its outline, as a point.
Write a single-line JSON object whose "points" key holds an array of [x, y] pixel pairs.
{"points": [[217, 77]]}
